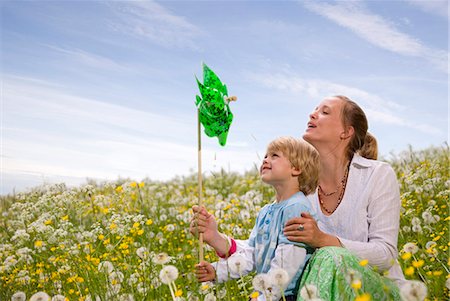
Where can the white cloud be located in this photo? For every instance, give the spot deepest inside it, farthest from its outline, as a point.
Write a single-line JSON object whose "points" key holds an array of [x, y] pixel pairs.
{"points": [[50, 135], [152, 21], [376, 108], [378, 31], [91, 60]]}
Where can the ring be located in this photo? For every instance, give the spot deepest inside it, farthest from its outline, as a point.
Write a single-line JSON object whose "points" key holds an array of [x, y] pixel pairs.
{"points": [[301, 227]]}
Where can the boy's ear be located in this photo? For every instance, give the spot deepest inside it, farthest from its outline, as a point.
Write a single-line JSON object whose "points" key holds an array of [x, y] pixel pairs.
{"points": [[295, 171]]}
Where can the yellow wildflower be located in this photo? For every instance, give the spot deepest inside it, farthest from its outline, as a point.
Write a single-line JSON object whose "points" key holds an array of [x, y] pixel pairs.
{"points": [[65, 218], [356, 284], [149, 222], [254, 295], [48, 222], [406, 256], [133, 184], [178, 293], [142, 184], [409, 271], [418, 263], [363, 262], [363, 297], [38, 243]]}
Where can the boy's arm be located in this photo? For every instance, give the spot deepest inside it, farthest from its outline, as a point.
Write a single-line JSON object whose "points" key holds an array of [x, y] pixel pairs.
{"points": [[290, 258], [239, 264]]}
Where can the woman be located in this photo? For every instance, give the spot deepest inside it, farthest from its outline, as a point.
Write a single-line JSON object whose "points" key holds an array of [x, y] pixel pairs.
{"points": [[358, 207]]}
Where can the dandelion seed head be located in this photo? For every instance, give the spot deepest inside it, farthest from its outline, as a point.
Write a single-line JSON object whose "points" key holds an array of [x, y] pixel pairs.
{"points": [[161, 258], [168, 274], [236, 263], [19, 296], [410, 247], [413, 291], [142, 253], [105, 267], [279, 277], [309, 292], [261, 282], [58, 298], [40, 296], [210, 297]]}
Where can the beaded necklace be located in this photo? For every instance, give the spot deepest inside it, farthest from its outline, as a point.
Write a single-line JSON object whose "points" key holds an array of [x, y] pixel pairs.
{"points": [[341, 195]]}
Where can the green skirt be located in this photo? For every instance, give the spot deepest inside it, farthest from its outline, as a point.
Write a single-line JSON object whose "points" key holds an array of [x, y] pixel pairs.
{"points": [[334, 273]]}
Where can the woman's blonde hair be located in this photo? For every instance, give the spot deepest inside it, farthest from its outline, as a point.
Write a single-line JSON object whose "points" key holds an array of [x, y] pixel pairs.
{"points": [[362, 141], [302, 156]]}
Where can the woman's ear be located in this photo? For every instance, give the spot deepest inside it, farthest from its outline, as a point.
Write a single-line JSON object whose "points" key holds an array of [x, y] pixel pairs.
{"points": [[348, 133]]}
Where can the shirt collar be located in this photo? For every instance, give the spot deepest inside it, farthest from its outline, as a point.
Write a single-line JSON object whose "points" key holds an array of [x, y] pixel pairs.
{"points": [[360, 162]]}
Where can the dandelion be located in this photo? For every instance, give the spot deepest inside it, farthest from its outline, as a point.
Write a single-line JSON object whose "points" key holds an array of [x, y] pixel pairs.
{"points": [[105, 267], [142, 253], [363, 262], [447, 283], [261, 282], [58, 298], [210, 297], [236, 263], [410, 247], [40, 296], [309, 292], [170, 228], [19, 296], [279, 277], [363, 297], [356, 284], [413, 291], [168, 274], [161, 258]]}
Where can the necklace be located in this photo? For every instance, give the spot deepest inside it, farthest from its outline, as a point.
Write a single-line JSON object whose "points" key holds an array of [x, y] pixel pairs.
{"points": [[341, 195]]}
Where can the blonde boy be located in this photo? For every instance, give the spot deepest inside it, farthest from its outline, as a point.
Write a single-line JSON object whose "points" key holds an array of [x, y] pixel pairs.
{"points": [[291, 167]]}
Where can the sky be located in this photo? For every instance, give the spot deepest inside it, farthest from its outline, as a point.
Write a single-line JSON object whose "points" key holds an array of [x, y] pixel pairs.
{"points": [[106, 89]]}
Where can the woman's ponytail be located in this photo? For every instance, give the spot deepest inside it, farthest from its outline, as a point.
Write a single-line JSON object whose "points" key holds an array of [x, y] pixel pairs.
{"points": [[369, 149]]}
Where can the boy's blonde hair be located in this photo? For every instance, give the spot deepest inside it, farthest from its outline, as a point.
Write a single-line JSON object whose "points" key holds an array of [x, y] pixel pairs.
{"points": [[302, 156]]}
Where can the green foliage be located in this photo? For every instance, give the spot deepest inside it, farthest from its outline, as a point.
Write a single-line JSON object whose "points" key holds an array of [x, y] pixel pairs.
{"points": [[56, 239]]}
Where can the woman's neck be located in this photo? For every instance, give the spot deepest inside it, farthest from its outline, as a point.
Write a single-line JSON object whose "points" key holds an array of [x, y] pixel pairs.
{"points": [[333, 167]]}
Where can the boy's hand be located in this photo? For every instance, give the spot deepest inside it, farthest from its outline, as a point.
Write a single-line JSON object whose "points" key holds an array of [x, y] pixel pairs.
{"points": [[204, 222], [204, 271]]}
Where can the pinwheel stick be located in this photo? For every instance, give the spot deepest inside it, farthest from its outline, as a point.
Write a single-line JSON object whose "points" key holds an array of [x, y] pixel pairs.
{"points": [[200, 238]]}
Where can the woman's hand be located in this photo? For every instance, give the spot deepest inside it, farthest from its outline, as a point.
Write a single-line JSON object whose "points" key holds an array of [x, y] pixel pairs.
{"points": [[304, 229], [204, 271]]}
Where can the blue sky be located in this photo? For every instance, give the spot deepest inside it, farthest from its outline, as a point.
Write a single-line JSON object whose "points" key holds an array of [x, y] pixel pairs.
{"points": [[106, 89]]}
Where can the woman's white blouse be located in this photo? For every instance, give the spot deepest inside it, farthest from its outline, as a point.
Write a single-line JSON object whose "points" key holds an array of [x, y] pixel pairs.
{"points": [[367, 220]]}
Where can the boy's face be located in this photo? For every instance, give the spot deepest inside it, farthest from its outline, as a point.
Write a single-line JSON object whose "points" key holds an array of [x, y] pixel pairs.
{"points": [[276, 168]]}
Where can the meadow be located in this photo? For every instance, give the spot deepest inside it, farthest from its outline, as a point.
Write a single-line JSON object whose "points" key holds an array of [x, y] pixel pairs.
{"points": [[128, 240]]}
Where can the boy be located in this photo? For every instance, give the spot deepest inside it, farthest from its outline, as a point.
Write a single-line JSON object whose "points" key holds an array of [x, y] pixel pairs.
{"points": [[291, 166]]}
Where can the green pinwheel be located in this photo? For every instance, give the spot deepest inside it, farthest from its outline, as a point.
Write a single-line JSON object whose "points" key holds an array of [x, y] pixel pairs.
{"points": [[213, 106]]}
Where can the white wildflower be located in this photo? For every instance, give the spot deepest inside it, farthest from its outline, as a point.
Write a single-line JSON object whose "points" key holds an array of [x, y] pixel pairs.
{"points": [[142, 253], [210, 297], [410, 248], [40, 296], [105, 267], [413, 291], [236, 263], [126, 297], [20, 296], [417, 228], [170, 227], [168, 274], [415, 221], [58, 298], [116, 277], [279, 277], [430, 244], [308, 292], [261, 282], [161, 258]]}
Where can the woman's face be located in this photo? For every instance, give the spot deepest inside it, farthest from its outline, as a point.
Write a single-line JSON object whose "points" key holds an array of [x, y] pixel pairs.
{"points": [[325, 122]]}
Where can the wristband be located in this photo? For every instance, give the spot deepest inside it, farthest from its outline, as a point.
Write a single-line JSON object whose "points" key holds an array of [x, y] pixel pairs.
{"points": [[231, 251]]}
